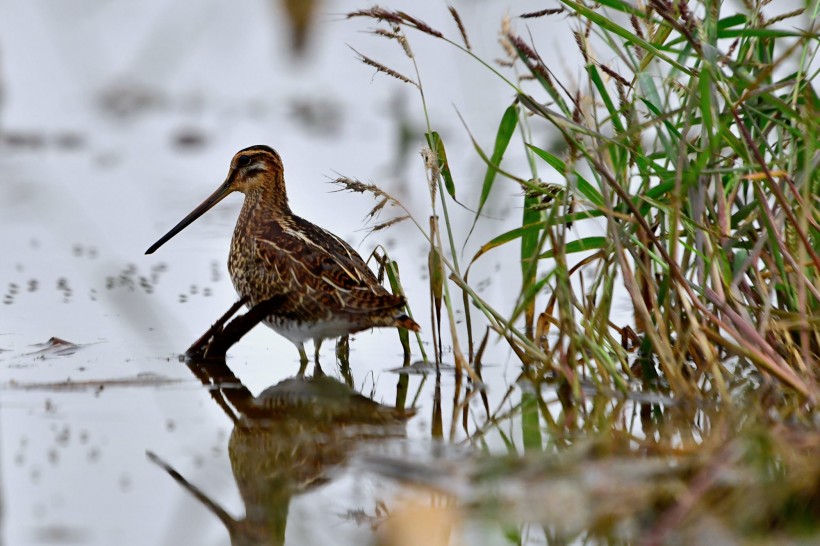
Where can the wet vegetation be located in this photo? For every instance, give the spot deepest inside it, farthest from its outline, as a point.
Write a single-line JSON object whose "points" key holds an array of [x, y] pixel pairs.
{"points": [[693, 150]]}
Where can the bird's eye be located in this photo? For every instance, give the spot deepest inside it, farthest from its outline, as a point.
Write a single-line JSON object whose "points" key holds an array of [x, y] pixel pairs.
{"points": [[243, 161]]}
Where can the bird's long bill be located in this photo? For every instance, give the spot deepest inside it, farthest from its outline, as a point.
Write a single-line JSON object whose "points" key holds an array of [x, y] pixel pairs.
{"points": [[206, 205]]}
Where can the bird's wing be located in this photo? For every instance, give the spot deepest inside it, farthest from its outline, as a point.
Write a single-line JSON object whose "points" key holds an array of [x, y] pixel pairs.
{"points": [[316, 264]]}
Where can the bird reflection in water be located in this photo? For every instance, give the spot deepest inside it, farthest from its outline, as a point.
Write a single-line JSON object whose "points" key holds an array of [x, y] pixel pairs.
{"points": [[286, 442]]}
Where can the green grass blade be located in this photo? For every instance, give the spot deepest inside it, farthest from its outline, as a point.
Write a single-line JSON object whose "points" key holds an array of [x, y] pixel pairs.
{"points": [[509, 121], [602, 90], [578, 245], [437, 145]]}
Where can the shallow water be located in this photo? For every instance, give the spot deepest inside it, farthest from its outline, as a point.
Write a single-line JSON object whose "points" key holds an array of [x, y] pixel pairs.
{"points": [[117, 121]]}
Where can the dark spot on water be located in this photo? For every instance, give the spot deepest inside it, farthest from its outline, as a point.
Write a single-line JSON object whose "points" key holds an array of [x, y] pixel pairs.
{"points": [[107, 160], [189, 139], [23, 140], [60, 534], [125, 482], [320, 116], [127, 99], [62, 286], [32, 285], [93, 455], [156, 271], [128, 278], [69, 141], [146, 285], [63, 436]]}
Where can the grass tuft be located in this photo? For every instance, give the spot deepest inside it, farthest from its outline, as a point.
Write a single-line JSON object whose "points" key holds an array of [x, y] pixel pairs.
{"points": [[692, 160]]}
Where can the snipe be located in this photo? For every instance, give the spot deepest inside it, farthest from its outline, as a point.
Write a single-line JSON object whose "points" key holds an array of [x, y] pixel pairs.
{"points": [[325, 287]]}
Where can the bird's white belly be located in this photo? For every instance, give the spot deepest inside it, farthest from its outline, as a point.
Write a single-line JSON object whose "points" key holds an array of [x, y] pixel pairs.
{"points": [[298, 332]]}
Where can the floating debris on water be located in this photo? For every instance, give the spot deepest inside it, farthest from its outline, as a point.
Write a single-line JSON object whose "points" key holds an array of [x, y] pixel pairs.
{"points": [[55, 346], [422, 368], [141, 380]]}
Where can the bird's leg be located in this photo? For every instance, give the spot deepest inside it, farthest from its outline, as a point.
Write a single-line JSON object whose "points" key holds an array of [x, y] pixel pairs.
{"points": [[200, 347], [303, 359], [343, 354], [343, 350], [317, 368]]}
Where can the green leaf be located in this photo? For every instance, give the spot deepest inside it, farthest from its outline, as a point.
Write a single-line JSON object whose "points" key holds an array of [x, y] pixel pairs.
{"points": [[529, 242], [578, 245], [759, 33], [660, 190], [502, 139], [530, 423], [732, 21], [437, 145], [610, 106], [623, 7], [705, 90]]}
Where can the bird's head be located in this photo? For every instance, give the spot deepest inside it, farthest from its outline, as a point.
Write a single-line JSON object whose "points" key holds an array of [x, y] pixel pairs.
{"points": [[254, 170]]}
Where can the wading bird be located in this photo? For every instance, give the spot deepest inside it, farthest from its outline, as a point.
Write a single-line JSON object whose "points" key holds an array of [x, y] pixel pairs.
{"points": [[325, 287]]}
